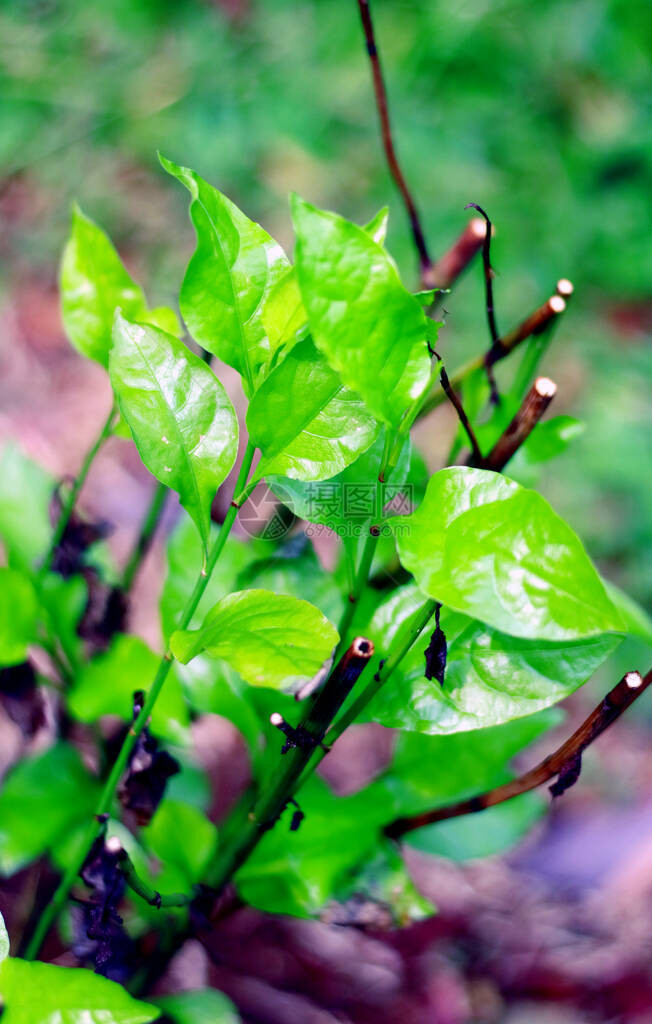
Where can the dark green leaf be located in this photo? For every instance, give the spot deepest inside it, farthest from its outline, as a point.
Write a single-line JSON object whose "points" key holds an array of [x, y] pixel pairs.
{"points": [[298, 872], [203, 1006], [180, 416], [106, 685], [36, 993], [306, 424], [184, 840], [383, 880], [490, 677], [369, 327], [483, 545], [270, 639], [294, 570], [94, 284], [18, 614], [41, 799], [234, 266]]}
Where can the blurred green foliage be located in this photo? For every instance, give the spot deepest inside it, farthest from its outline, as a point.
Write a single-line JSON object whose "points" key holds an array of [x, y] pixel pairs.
{"points": [[537, 111]]}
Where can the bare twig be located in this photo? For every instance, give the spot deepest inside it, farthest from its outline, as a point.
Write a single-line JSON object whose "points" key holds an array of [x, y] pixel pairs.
{"points": [[463, 418], [565, 762], [427, 279], [534, 405], [489, 300], [454, 262]]}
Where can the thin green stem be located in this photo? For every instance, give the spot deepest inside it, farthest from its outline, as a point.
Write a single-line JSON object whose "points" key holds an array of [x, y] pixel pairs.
{"points": [[241, 492], [68, 506], [146, 892], [145, 536]]}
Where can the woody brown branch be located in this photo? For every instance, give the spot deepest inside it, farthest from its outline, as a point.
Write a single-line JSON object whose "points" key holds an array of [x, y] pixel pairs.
{"points": [[629, 689], [535, 323], [380, 93], [534, 405], [454, 262]]}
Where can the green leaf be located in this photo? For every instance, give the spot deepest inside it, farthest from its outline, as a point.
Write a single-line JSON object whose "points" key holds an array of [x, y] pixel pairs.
{"points": [[480, 835], [284, 319], [202, 1006], [18, 614], [636, 619], [369, 327], [270, 639], [377, 226], [184, 840], [106, 685], [307, 425], [4, 940], [298, 872], [180, 416], [184, 555], [384, 880], [63, 602], [234, 266], [483, 545], [24, 502], [36, 993], [295, 569], [41, 799], [490, 677], [547, 440], [94, 284], [431, 771]]}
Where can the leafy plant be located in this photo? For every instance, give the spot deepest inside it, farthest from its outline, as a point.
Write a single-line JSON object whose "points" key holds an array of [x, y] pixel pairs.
{"points": [[461, 608]]}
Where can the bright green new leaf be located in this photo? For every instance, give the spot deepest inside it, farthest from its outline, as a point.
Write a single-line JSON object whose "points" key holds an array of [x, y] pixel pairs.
{"points": [[483, 545], [377, 226], [180, 416], [369, 327], [37, 993], [490, 677], [41, 799], [270, 639], [18, 614], [94, 283], [106, 685], [202, 1006], [307, 425], [234, 266], [294, 569], [284, 319], [24, 501]]}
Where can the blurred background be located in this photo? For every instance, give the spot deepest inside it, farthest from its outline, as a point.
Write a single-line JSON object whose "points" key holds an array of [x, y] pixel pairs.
{"points": [[537, 111]]}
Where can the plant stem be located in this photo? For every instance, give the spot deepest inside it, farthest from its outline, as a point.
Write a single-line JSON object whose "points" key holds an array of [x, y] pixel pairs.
{"points": [[302, 761], [106, 799], [67, 508], [145, 536]]}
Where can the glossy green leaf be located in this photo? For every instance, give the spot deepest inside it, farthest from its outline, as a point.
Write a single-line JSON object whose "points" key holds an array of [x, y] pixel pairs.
{"points": [[37, 993], [202, 1006], [18, 615], [106, 685], [41, 799], [483, 545], [298, 872], [234, 266], [270, 639], [490, 677], [369, 327], [25, 528], [94, 283], [4, 940], [307, 425], [180, 416], [184, 840]]}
